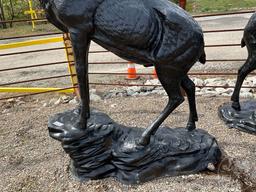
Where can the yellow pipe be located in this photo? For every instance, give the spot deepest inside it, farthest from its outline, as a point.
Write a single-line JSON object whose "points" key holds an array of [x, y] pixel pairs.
{"points": [[70, 58], [33, 90], [31, 42], [31, 13]]}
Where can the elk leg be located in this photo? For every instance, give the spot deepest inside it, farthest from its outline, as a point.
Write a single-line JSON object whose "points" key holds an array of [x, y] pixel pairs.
{"points": [[80, 44], [172, 87], [188, 85], [248, 67]]}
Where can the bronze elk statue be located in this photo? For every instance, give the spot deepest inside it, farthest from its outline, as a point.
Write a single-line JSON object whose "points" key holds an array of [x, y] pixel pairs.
{"points": [[248, 40], [148, 32]]}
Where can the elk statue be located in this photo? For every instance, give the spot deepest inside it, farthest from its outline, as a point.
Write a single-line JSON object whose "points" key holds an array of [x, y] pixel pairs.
{"points": [[148, 32], [248, 40]]}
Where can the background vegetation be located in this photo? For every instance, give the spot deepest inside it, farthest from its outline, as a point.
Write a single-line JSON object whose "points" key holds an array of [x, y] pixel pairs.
{"points": [[202, 6], [17, 7], [14, 9]]}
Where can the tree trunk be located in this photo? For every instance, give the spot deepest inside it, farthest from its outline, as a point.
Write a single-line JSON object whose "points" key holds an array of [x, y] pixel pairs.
{"points": [[12, 13], [2, 14]]}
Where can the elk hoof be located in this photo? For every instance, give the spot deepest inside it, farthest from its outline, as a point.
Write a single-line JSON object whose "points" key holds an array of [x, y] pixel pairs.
{"points": [[236, 106], [144, 141], [81, 123], [191, 126]]}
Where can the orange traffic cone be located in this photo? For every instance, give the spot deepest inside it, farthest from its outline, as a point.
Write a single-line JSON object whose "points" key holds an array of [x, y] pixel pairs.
{"points": [[131, 72], [154, 76]]}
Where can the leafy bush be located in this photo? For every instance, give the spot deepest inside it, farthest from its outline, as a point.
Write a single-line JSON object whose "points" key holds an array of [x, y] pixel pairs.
{"points": [[14, 9]]}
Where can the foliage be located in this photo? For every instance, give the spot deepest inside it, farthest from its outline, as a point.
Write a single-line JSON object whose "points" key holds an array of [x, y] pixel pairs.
{"points": [[200, 6], [19, 6], [175, 1]]}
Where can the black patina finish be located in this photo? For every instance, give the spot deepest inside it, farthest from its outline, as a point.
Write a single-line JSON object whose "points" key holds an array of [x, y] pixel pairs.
{"points": [[244, 119], [107, 149], [235, 116], [148, 32], [248, 40]]}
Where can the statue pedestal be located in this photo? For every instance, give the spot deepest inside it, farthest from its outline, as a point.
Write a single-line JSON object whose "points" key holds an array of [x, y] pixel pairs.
{"points": [[107, 149], [244, 120]]}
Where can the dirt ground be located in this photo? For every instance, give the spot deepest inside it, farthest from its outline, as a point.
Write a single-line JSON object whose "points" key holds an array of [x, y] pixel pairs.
{"points": [[32, 161]]}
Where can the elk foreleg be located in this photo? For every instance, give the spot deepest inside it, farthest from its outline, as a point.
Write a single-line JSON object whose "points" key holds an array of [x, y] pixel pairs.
{"points": [[80, 44]]}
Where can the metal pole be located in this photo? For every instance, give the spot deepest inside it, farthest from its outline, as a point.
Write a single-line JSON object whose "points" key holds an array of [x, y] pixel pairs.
{"points": [[31, 14], [70, 59]]}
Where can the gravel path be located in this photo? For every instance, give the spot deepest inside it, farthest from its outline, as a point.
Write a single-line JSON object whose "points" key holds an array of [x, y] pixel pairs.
{"points": [[32, 161]]}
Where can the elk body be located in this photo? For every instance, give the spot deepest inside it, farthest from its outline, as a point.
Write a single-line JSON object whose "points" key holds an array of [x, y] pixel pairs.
{"points": [[248, 40], [147, 32]]}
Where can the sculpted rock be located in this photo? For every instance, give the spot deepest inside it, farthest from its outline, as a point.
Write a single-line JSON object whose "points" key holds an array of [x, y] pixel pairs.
{"points": [[107, 149]]}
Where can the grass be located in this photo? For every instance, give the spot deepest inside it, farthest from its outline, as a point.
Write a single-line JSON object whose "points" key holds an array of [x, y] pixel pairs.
{"points": [[26, 29], [193, 6], [210, 6]]}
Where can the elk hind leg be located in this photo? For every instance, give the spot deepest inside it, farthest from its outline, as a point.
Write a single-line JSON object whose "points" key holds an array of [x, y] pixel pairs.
{"points": [[171, 81], [189, 87], [248, 67]]}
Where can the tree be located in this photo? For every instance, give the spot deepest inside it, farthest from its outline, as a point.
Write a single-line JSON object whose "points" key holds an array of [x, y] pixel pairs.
{"points": [[10, 11], [2, 14]]}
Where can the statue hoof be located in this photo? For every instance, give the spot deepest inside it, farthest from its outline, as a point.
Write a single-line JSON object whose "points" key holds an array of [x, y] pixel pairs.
{"points": [[144, 141], [236, 105], [191, 126]]}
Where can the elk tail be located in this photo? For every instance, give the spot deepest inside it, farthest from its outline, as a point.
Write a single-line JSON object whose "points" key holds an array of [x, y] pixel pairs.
{"points": [[202, 58], [242, 43]]}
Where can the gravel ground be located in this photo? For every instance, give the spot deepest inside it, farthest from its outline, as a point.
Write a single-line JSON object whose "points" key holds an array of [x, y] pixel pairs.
{"points": [[32, 161]]}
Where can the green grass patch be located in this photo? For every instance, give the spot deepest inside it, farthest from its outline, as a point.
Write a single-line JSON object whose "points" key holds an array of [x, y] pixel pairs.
{"points": [[26, 29], [210, 6]]}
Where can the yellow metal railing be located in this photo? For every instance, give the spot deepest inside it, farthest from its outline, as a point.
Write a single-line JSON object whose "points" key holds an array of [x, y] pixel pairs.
{"points": [[33, 90], [33, 13], [31, 42], [70, 58]]}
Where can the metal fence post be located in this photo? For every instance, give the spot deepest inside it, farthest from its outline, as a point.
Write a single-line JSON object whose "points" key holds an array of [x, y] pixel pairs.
{"points": [[71, 61]]}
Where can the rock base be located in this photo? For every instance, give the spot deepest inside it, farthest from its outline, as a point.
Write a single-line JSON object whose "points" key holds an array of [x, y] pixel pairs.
{"points": [[107, 149], [244, 120]]}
